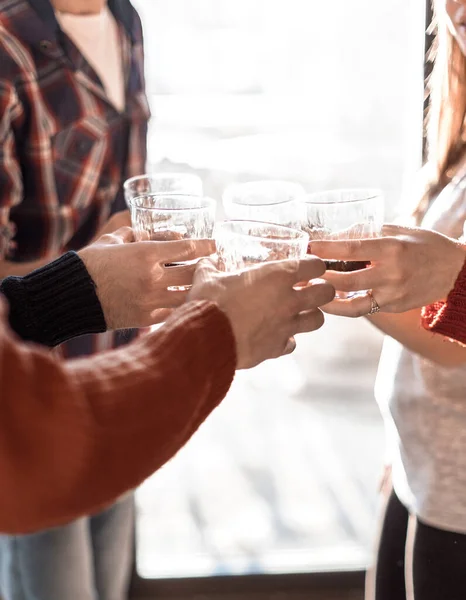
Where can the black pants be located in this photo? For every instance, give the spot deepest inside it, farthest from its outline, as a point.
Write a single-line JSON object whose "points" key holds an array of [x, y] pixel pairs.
{"points": [[439, 559]]}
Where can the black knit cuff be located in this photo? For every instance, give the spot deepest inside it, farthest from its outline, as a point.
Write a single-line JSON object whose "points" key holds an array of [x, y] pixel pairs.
{"points": [[54, 303]]}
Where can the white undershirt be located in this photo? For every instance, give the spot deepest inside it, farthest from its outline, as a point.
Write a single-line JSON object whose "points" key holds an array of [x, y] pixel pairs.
{"points": [[97, 37], [424, 407]]}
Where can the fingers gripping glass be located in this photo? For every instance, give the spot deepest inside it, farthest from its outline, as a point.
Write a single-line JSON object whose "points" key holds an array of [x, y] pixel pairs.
{"points": [[344, 214], [158, 217]]}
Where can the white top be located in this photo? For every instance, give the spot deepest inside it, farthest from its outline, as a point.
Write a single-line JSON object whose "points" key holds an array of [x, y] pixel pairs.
{"points": [[97, 38], [424, 408]]}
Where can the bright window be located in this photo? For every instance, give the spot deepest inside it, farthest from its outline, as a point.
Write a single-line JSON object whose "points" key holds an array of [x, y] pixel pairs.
{"points": [[282, 478]]}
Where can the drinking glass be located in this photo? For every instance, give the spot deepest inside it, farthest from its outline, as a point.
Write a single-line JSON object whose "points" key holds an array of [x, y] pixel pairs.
{"points": [[162, 183], [343, 215], [278, 202], [241, 244], [172, 217]]}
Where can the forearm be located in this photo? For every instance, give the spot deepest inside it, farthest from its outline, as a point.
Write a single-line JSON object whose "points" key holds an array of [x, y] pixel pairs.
{"points": [[54, 303], [406, 328], [75, 436]]}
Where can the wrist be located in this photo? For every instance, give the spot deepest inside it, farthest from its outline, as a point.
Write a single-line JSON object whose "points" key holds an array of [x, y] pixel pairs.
{"points": [[54, 303], [212, 295]]}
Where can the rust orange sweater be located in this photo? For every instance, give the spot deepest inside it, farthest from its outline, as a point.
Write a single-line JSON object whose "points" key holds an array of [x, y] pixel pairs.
{"points": [[74, 436]]}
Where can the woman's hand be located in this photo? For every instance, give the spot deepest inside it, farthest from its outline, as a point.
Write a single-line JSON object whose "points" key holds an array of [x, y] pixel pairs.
{"points": [[410, 268]]}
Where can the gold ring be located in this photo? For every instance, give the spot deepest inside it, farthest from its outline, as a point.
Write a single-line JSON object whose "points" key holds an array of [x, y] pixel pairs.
{"points": [[375, 308]]}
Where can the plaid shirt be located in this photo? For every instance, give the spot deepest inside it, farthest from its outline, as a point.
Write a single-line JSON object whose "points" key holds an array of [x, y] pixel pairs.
{"points": [[64, 149]]}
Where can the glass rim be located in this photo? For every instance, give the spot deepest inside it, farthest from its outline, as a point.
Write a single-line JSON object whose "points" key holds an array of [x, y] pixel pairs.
{"points": [[207, 203], [128, 183], [299, 236], [366, 194], [226, 196]]}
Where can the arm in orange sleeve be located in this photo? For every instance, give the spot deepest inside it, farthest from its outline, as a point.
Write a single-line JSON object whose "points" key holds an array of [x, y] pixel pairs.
{"points": [[74, 436]]}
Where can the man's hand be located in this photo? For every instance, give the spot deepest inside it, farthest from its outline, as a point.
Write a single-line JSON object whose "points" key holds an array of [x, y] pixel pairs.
{"points": [[132, 280], [267, 304], [410, 268]]}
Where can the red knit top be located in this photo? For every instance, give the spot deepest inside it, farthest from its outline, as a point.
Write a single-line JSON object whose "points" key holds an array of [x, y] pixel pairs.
{"points": [[449, 318]]}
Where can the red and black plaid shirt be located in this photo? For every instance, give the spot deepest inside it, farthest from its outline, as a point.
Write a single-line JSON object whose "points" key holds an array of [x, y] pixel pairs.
{"points": [[64, 149]]}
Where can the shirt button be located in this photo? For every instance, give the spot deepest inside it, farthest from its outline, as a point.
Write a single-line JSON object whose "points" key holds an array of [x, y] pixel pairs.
{"points": [[46, 45]]}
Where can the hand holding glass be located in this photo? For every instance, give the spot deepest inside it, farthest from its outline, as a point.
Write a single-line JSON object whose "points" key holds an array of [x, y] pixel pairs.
{"points": [[164, 218], [344, 214]]}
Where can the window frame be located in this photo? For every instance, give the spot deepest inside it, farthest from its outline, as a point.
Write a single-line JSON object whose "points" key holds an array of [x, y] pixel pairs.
{"points": [[314, 586]]}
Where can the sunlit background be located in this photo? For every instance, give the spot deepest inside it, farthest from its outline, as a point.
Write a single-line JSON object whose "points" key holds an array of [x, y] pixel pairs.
{"points": [[283, 477]]}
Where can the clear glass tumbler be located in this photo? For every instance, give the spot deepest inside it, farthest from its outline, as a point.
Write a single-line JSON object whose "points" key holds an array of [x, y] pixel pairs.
{"points": [[278, 202], [162, 183], [163, 218], [241, 244], [344, 214], [172, 217]]}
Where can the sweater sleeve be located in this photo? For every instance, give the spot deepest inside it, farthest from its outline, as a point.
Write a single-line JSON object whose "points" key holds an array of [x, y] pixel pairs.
{"points": [[74, 436], [449, 318], [54, 303]]}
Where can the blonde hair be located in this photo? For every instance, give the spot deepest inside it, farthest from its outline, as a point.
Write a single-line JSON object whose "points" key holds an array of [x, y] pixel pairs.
{"points": [[447, 110]]}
